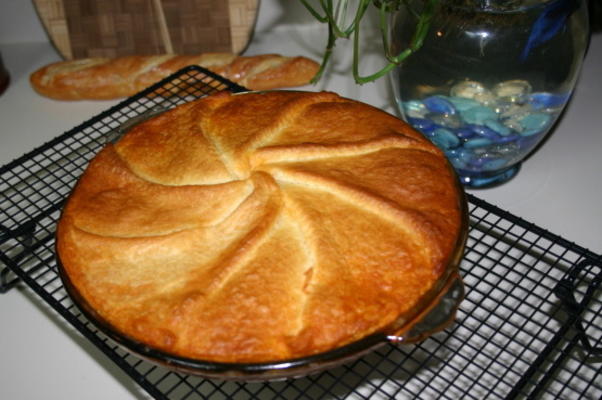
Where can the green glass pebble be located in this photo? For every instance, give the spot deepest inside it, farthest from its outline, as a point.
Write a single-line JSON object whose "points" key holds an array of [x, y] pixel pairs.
{"points": [[478, 115], [444, 139], [494, 164], [463, 103], [498, 127], [459, 157], [414, 109], [477, 142], [534, 123]]}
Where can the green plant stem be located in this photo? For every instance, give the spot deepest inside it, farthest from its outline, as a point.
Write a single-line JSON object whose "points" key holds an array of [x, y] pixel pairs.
{"points": [[327, 53], [313, 12], [385, 7]]}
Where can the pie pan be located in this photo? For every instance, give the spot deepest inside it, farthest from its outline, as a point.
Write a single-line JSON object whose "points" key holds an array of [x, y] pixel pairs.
{"points": [[433, 312]]}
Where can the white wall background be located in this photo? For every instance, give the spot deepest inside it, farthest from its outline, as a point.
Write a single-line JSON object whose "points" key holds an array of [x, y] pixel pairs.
{"points": [[19, 22]]}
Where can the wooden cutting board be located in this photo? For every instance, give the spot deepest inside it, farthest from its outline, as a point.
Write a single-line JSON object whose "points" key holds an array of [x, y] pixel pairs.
{"points": [[110, 28]]}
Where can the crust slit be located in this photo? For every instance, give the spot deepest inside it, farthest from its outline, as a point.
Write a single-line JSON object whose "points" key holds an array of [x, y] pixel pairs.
{"points": [[304, 229], [313, 152], [380, 207], [285, 118]]}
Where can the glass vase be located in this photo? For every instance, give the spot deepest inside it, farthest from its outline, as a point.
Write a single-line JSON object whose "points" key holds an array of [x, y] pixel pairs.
{"points": [[490, 79]]}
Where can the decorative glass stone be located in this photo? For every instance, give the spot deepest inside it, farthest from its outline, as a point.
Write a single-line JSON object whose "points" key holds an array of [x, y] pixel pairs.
{"points": [[477, 142], [464, 132], [439, 105], [414, 109], [422, 124], [516, 110], [498, 127], [503, 150], [444, 138], [483, 131], [535, 123], [467, 89], [513, 124], [445, 120], [486, 98], [478, 115], [542, 100], [456, 162], [514, 91], [459, 157], [463, 103], [492, 164], [511, 138]]}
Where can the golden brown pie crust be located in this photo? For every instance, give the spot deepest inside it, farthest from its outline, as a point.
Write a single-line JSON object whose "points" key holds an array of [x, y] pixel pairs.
{"points": [[261, 227]]}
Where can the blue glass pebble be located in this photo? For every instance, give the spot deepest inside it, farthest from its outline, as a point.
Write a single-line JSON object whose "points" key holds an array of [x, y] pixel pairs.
{"points": [[444, 138], [476, 163], [511, 138], [439, 105], [534, 123], [422, 124], [543, 100], [478, 115], [483, 131], [464, 132]]}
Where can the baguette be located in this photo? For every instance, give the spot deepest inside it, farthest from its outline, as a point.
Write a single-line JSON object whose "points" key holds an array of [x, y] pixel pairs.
{"points": [[106, 78]]}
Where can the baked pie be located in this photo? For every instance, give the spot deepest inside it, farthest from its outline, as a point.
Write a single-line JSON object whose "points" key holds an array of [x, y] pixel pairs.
{"points": [[258, 227]]}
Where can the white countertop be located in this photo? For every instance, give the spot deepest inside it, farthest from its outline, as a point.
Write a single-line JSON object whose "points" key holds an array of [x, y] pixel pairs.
{"points": [[559, 188]]}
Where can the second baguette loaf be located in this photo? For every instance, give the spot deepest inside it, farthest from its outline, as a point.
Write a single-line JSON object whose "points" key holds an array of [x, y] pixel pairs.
{"points": [[104, 78]]}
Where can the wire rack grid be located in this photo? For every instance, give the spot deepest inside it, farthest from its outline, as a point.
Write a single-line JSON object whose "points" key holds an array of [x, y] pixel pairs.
{"points": [[530, 325]]}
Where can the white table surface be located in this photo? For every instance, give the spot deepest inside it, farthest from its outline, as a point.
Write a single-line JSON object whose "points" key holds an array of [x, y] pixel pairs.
{"points": [[559, 188]]}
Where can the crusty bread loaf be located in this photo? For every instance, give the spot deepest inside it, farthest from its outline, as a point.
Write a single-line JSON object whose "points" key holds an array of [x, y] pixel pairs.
{"points": [[105, 78], [262, 226]]}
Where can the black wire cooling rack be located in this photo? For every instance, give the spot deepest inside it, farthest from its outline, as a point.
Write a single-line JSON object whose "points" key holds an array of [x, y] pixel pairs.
{"points": [[529, 327]]}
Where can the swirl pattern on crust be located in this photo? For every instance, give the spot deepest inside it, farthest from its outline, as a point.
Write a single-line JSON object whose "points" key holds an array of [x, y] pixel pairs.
{"points": [[261, 226]]}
